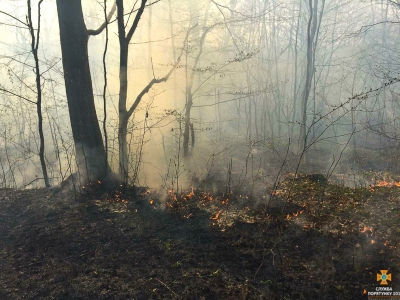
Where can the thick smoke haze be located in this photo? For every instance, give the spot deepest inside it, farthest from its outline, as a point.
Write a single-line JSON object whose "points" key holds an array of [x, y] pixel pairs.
{"points": [[263, 87]]}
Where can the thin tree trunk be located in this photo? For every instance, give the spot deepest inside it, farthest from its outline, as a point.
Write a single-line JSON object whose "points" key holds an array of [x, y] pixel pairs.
{"points": [[34, 48], [296, 52], [105, 90], [189, 92], [124, 113], [189, 104], [311, 34], [124, 39]]}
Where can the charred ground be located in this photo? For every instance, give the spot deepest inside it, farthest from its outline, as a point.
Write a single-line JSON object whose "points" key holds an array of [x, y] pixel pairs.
{"points": [[309, 240]]}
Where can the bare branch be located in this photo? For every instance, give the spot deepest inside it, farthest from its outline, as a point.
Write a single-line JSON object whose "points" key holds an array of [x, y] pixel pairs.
{"points": [[19, 96], [102, 26], [154, 80], [136, 21], [11, 25], [365, 28], [131, 12], [3, 12]]}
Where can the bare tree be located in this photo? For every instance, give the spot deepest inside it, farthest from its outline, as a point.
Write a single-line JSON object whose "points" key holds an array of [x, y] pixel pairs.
{"points": [[34, 47], [125, 114], [313, 26], [90, 151]]}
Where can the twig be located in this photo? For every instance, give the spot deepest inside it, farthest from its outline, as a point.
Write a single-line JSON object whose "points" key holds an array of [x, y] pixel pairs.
{"points": [[19, 96], [37, 178], [167, 287]]}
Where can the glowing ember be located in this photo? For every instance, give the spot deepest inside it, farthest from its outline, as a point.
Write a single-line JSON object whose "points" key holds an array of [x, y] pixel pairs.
{"points": [[191, 194], [216, 216], [366, 229]]}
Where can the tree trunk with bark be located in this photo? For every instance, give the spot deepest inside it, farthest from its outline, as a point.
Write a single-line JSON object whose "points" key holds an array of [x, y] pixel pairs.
{"points": [[313, 26], [90, 151], [125, 114]]}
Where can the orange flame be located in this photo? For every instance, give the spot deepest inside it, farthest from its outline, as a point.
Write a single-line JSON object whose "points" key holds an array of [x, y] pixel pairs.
{"points": [[366, 229], [191, 194], [216, 216], [384, 183]]}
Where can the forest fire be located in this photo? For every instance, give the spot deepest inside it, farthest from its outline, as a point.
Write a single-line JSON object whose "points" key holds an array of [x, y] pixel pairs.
{"points": [[385, 183], [198, 149]]}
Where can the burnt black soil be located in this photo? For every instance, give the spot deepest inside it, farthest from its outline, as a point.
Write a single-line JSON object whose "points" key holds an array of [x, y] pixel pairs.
{"points": [[103, 245]]}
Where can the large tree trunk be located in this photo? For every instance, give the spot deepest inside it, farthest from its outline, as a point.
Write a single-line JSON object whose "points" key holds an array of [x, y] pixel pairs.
{"points": [[90, 152]]}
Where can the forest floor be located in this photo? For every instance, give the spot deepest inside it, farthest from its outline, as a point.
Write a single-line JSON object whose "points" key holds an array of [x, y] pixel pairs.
{"points": [[307, 241]]}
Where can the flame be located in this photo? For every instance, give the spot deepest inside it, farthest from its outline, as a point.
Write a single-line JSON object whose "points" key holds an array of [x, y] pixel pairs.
{"points": [[385, 183], [151, 201], [145, 193], [372, 241], [366, 229], [364, 292], [216, 216], [191, 194], [225, 201]]}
